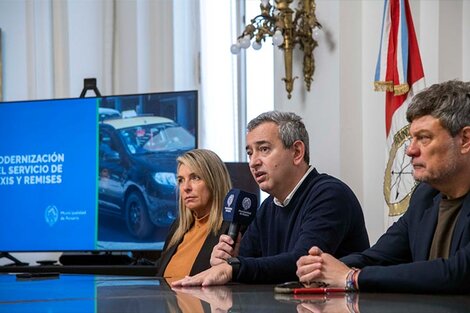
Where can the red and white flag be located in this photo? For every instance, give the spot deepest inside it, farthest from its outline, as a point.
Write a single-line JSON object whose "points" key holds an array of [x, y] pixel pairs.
{"points": [[400, 74]]}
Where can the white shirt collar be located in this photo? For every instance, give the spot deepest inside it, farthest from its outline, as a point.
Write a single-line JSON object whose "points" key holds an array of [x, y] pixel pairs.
{"points": [[291, 194]]}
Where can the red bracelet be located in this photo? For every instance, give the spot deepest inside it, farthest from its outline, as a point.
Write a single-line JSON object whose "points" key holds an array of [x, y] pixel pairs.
{"points": [[351, 280]]}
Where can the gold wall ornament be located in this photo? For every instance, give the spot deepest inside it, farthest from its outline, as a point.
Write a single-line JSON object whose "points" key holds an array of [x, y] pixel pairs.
{"points": [[287, 28], [399, 183]]}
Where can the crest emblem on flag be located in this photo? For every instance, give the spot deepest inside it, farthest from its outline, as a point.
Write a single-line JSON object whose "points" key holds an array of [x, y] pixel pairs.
{"points": [[400, 74]]}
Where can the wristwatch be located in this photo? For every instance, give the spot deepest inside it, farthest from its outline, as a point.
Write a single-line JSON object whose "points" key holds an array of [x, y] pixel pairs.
{"points": [[235, 264]]}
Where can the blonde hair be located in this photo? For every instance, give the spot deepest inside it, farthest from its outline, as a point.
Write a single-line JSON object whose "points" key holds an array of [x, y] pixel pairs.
{"points": [[209, 167]]}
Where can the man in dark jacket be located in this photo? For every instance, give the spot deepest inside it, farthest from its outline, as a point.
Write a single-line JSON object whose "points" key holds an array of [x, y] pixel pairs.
{"points": [[428, 249]]}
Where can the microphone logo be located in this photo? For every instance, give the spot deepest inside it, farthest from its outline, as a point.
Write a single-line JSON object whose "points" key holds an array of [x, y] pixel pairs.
{"points": [[230, 200], [246, 203]]}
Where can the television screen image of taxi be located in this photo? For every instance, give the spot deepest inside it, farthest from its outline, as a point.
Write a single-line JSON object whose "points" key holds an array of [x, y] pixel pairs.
{"points": [[92, 174]]}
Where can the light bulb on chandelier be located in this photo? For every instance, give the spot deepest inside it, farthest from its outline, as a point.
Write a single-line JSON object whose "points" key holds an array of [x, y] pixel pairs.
{"points": [[287, 28]]}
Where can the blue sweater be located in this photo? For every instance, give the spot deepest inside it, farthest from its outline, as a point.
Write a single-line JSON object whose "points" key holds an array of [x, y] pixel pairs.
{"points": [[323, 212]]}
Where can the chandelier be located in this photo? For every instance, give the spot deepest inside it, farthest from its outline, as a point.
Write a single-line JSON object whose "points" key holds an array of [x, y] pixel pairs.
{"points": [[287, 28]]}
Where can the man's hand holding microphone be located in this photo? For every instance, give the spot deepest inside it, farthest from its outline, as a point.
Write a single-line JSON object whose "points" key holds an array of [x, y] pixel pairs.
{"points": [[240, 210]]}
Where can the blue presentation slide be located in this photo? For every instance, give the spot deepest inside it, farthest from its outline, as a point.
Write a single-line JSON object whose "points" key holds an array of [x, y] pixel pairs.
{"points": [[48, 175]]}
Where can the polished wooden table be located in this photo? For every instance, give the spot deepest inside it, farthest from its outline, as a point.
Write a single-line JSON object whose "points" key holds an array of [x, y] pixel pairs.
{"points": [[99, 293]]}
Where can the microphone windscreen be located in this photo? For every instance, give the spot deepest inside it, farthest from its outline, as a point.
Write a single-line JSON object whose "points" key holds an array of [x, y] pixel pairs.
{"points": [[240, 207]]}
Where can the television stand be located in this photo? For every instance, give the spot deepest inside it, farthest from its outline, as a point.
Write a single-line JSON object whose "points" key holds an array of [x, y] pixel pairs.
{"points": [[16, 262], [94, 258]]}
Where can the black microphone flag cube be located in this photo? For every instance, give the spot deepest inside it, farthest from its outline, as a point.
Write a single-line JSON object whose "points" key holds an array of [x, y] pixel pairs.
{"points": [[240, 207]]}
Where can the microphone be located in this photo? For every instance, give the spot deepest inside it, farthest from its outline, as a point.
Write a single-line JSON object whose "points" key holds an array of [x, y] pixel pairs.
{"points": [[239, 209]]}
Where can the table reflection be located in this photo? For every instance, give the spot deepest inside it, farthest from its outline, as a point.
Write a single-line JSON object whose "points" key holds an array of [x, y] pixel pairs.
{"points": [[219, 298], [99, 294], [325, 303], [377, 302], [253, 298]]}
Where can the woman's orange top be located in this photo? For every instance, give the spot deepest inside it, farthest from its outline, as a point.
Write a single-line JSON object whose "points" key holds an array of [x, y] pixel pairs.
{"points": [[182, 261]]}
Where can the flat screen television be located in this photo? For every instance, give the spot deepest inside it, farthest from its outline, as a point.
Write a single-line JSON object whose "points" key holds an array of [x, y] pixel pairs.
{"points": [[92, 174]]}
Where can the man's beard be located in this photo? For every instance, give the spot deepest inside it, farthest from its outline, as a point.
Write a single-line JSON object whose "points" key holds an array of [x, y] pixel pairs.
{"points": [[445, 173]]}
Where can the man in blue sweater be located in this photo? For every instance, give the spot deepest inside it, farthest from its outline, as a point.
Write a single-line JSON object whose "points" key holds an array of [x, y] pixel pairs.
{"points": [[304, 208]]}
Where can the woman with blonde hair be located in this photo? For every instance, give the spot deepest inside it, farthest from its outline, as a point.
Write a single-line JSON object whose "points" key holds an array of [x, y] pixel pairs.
{"points": [[203, 181]]}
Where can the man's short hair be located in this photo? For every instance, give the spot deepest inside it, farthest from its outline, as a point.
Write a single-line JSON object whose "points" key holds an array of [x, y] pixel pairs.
{"points": [[449, 102], [290, 125]]}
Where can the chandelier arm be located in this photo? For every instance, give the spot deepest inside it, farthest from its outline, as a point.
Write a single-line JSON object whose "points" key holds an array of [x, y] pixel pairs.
{"points": [[287, 28]]}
